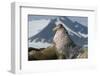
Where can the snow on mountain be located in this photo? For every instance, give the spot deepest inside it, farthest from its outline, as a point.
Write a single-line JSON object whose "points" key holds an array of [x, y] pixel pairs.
{"points": [[70, 30], [39, 44], [83, 35], [42, 35], [79, 34]]}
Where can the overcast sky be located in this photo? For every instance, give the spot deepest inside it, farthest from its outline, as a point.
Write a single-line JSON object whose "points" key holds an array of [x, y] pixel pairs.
{"points": [[82, 20]]}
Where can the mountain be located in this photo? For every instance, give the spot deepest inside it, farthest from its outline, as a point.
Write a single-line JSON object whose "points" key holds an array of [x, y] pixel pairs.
{"points": [[46, 35], [77, 31], [75, 26], [82, 31]]}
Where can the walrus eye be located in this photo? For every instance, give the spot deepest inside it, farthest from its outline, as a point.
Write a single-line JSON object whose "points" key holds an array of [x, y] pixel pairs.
{"points": [[60, 25], [66, 32]]}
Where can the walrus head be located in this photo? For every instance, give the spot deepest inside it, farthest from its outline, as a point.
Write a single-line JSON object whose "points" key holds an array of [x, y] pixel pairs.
{"points": [[59, 26]]}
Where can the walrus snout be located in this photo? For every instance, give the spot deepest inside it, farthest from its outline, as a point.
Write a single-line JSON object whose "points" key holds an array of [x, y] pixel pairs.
{"points": [[57, 27]]}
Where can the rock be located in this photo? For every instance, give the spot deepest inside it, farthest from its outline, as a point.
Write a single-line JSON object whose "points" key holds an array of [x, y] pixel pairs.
{"points": [[42, 54], [83, 54]]}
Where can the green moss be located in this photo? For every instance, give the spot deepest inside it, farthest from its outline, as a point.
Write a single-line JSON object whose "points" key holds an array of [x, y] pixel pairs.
{"points": [[84, 53]]}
